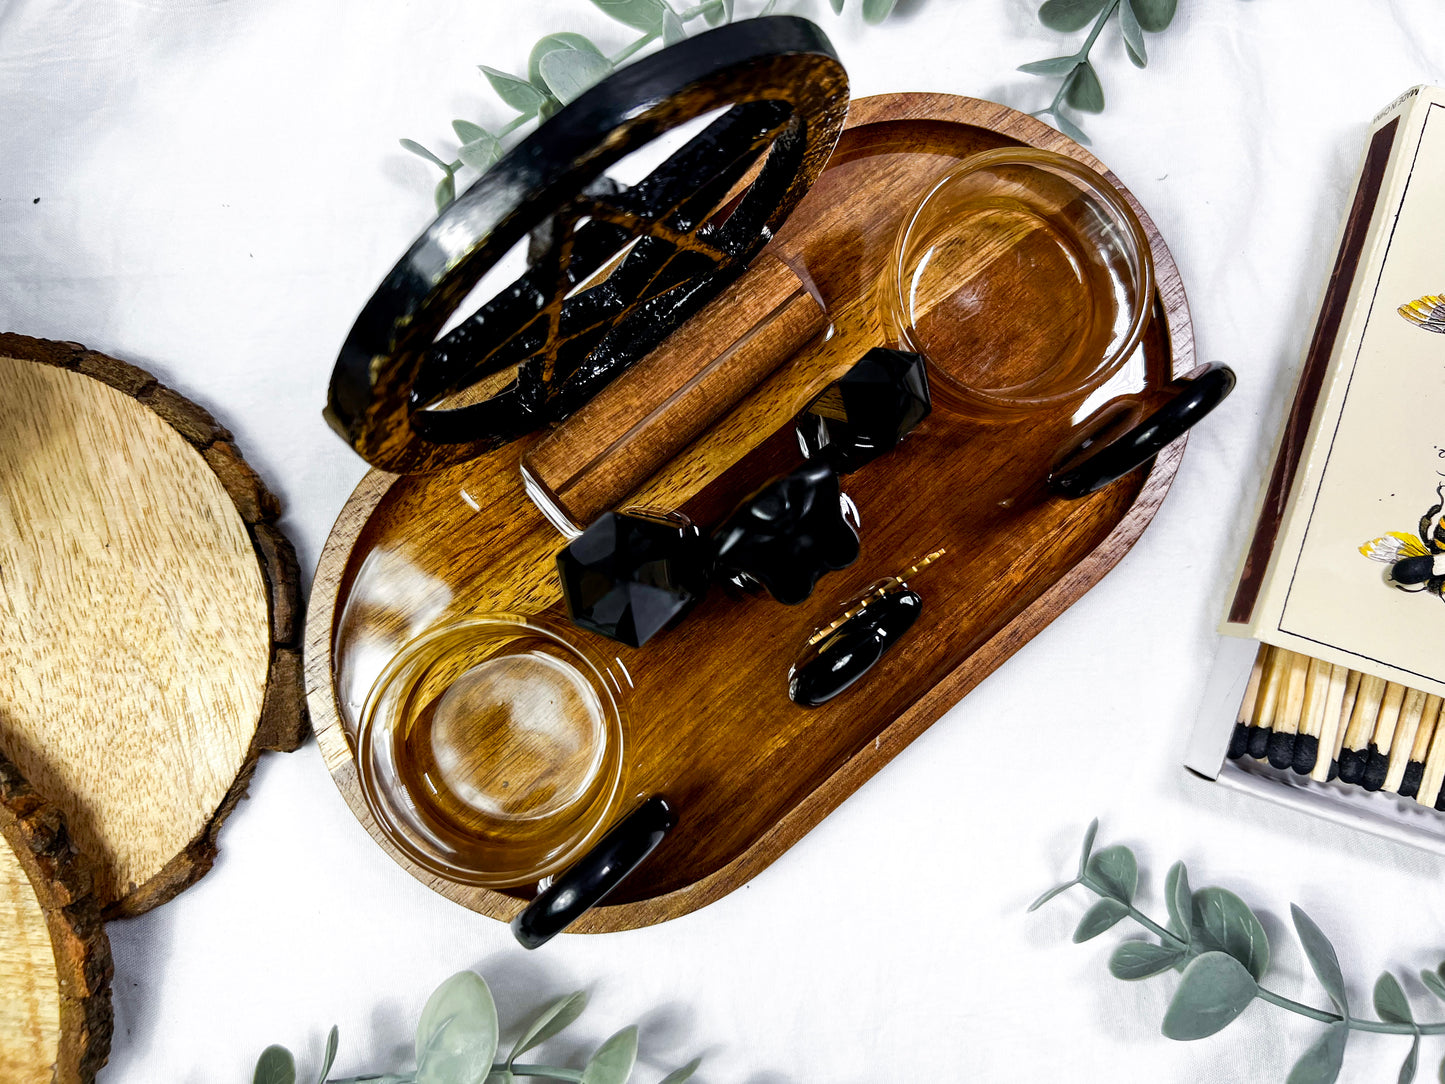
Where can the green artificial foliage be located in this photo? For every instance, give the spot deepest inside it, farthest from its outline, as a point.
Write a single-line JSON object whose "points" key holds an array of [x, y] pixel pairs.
{"points": [[1220, 949], [1080, 88], [456, 1043], [563, 65]]}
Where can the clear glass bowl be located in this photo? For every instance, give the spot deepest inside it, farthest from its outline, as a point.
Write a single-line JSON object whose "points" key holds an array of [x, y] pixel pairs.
{"points": [[1024, 278], [490, 751]]}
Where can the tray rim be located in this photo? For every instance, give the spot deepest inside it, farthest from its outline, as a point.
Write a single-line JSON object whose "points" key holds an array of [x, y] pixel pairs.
{"points": [[331, 577]]}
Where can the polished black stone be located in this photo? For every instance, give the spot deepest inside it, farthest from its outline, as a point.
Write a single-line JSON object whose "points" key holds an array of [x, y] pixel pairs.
{"points": [[788, 534], [628, 576], [595, 874], [867, 411], [854, 647]]}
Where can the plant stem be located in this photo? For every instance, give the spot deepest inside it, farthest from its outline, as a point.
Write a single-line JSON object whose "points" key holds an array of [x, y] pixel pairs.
{"points": [[542, 1071], [1322, 1015], [652, 35], [1083, 54]]}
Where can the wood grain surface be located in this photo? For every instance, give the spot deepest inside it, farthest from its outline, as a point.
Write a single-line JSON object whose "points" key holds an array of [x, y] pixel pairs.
{"points": [[55, 965], [148, 652], [710, 725]]}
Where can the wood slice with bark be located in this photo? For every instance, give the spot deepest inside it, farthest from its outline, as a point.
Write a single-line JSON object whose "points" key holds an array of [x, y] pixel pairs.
{"points": [[150, 650], [55, 966]]}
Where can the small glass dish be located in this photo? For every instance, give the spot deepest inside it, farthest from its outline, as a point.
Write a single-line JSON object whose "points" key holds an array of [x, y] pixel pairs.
{"points": [[490, 752], [1024, 279]]}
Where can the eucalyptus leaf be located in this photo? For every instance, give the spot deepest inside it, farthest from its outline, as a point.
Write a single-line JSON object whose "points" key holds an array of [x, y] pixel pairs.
{"points": [[518, 93], [722, 13], [1098, 918], [1090, 832], [677, 1076], [456, 1036], [1412, 1062], [1133, 34], [570, 72], [875, 11], [1155, 15], [837, 6], [1069, 15], [1391, 1004], [480, 153], [672, 28], [417, 149], [1069, 128], [275, 1066], [549, 1022], [1135, 960], [333, 1040], [613, 1061], [1179, 901], [467, 131], [1222, 921], [1085, 92], [1050, 894], [552, 43], [1116, 872], [446, 191], [1322, 958], [1057, 65], [644, 15], [1320, 1064], [1434, 983], [1214, 989]]}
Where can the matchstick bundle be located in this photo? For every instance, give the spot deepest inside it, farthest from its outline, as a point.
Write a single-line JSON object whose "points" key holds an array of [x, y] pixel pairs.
{"points": [[1328, 722]]}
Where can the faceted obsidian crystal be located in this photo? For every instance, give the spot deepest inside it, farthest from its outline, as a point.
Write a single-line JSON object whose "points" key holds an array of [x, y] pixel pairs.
{"points": [[867, 411], [788, 534], [627, 576]]}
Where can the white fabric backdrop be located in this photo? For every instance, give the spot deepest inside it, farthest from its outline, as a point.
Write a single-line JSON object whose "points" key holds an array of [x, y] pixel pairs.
{"points": [[219, 189]]}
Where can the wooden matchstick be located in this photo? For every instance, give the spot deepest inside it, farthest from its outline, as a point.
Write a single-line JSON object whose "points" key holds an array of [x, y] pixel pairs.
{"points": [[1312, 717], [1411, 713], [1415, 770], [1429, 792], [1280, 748], [1239, 740], [1331, 730], [1354, 751], [1264, 706], [1377, 754]]}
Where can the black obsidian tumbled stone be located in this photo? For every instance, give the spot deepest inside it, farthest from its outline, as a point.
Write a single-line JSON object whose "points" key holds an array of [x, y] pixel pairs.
{"points": [[867, 411], [628, 576], [788, 534]]}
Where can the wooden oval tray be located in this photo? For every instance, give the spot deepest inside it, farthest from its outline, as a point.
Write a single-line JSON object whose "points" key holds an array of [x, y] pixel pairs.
{"points": [[710, 724]]}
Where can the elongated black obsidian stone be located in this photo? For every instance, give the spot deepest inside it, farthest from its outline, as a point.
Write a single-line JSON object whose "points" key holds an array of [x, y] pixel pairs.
{"points": [[854, 648]]}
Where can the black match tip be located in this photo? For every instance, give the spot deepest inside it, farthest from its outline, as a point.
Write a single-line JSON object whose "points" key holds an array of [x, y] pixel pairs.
{"points": [[1334, 772], [1440, 801], [1281, 750], [1306, 753], [1410, 785], [1377, 766], [1258, 741], [1239, 741], [1352, 765]]}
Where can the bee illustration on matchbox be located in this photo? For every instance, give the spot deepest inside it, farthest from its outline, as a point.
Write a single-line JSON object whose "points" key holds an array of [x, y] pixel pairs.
{"points": [[1426, 312], [1417, 562]]}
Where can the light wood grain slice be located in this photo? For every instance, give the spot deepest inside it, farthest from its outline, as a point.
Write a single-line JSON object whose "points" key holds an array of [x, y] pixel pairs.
{"points": [[55, 966], [149, 649]]}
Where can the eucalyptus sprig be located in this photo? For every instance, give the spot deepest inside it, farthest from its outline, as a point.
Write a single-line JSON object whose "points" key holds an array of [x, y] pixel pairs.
{"points": [[1220, 947], [563, 65], [456, 1042], [1081, 88]]}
